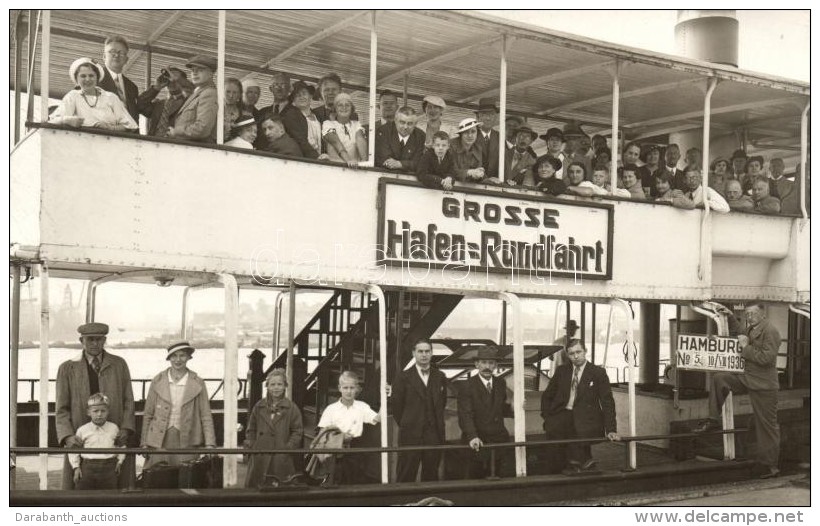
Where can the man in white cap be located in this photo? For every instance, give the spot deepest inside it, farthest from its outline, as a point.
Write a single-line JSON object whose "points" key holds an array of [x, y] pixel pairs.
{"points": [[94, 371], [250, 96], [196, 119]]}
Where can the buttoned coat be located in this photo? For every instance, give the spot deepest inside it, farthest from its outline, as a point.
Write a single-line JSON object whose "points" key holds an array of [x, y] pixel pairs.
{"points": [[408, 404], [490, 146], [196, 426], [593, 411], [296, 126], [272, 427], [467, 158], [196, 119], [480, 413], [761, 357], [388, 146]]}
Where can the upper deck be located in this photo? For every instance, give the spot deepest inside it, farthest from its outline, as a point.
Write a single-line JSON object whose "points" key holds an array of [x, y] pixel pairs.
{"points": [[93, 203]]}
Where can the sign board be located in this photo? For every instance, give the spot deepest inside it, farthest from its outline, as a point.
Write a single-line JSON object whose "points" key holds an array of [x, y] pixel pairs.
{"points": [[696, 352], [491, 231]]}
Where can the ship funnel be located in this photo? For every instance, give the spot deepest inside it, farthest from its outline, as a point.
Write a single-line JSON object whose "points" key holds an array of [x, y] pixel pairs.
{"points": [[710, 35]]}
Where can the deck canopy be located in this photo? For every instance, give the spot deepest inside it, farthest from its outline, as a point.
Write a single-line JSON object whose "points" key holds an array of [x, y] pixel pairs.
{"points": [[552, 77]]}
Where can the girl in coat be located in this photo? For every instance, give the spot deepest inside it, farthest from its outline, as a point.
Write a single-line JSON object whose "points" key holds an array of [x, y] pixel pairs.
{"points": [[274, 423], [177, 411]]}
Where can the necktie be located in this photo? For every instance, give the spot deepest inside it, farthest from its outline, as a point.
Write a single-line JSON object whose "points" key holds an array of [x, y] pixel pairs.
{"points": [[120, 89], [276, 109], [573, 388], [490, 387], [95, 363]]}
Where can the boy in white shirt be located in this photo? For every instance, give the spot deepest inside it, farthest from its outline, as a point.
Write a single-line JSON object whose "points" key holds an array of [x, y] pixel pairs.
{"points": [[97, 470], [349, 416]]}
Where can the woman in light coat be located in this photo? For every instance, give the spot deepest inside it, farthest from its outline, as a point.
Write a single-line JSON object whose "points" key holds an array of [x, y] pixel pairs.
{"points": [[177, 411], [274, 423]]}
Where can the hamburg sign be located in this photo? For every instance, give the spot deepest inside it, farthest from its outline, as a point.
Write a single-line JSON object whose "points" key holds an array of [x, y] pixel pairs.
{"points": [[491, 231], [703, 353]]}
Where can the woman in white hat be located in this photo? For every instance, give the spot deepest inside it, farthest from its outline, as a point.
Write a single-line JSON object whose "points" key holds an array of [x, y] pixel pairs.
{"points": [[433, 108], [177, 411], [243, 132], [344, 137], [468, 153], [90, 106]]}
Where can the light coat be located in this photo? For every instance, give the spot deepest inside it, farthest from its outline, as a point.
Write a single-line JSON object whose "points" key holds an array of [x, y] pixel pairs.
{"points": [[196, 426], [196, 119]]}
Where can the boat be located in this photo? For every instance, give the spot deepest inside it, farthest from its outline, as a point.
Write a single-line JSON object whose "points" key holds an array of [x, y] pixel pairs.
{"points": [[373, 240]]}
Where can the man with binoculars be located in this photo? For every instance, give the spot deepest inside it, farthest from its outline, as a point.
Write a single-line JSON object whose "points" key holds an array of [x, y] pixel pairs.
{"points": [[162, 110]]}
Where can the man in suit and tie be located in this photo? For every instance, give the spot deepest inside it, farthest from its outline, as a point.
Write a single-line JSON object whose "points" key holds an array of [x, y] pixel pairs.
{"points": [[94, 371], [672, 156], [400, 145], [487, 115], [196, 119], [577, 403], [482, 407], [280, 88], [115, 53], [161, 111], [418, 398], [518, 161]]}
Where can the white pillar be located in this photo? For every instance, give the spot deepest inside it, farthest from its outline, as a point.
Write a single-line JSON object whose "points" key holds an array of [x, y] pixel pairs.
{"points": [[220, 79], [291, 338], [630, 343], [520, 429], [804, 126], [616, 102], [502, 129], [45, 65], [14, 360], [371, 136], [230, 378], [711, 84], [382, 304], [44, 337]]}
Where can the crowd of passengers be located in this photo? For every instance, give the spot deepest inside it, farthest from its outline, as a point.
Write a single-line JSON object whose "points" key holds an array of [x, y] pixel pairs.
{"points": [[180, 107]]}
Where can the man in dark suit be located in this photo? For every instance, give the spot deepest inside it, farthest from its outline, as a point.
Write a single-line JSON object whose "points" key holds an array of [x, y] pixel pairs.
{"points": [[487, 115], [418, 398], [116, 57], [162, 111], [400, 145], [672, 156], [482, 407], [578, 403]]}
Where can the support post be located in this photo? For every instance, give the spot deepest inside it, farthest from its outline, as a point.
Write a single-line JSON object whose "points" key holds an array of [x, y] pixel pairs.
{"points": [[804, 141], [291, 337], [220, 80], [277, 325], [382, 304], [404, 91], [44, 337], [371, 135], [705, 260], [45, 65], [502, 144], [502, 330], [149, 56], [31, 56], [616, 102], [14, 359], [518, 381], [18, 74], [230, 378], [632, 452]]}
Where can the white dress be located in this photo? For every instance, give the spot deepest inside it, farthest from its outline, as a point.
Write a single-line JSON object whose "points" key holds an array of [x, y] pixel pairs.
{"points": [[108, 109], [347, 134]]}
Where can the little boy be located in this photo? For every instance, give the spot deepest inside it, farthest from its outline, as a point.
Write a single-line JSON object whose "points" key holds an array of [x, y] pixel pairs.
{"points": [[349, 415], [600, 178], [435, 169], [96, 471]]}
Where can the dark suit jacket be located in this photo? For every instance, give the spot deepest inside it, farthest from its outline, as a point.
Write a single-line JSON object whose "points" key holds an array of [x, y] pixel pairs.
{"points": [[131, 92], [431, 172], [593, 411], [408, 403], [388, 146], [152, 108], [297, 127], [284, 145], [490, 153], [481, 414]]}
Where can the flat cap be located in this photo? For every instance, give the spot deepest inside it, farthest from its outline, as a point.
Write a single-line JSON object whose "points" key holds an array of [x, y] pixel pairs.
{"points": [[202, 61], [435, 100], [93, 328]]}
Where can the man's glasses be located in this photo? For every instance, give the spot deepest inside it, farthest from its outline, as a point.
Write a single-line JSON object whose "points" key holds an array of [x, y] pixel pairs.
{"points": [[117, 53]]}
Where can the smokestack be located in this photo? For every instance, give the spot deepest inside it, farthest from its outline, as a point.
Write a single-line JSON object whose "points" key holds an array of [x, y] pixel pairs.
{"points": [[710, 35]]}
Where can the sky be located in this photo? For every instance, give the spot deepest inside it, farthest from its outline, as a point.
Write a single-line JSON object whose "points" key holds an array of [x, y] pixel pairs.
{"points": [[773, 42]]}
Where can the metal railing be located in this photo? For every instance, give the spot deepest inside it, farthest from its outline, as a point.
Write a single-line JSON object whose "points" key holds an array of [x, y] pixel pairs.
{"points": [[143, 383]]}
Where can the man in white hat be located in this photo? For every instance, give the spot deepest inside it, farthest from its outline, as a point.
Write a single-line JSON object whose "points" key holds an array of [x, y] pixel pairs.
{"points": [[94, 371], [250, 96]]}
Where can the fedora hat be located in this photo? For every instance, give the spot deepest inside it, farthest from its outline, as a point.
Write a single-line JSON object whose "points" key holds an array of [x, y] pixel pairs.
{"points": [[82, 61], [526, 129], [553, 132], [179, 346], [487, 103], [487, 352]]}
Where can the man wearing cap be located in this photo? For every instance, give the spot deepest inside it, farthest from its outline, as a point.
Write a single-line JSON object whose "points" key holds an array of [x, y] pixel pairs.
{"points": [[196, 119], [417, 400], [482, 407], [400, 145], [94, 371], [487, 116], [577, 403], [115, 54], [555, 145], [519, 160], [432, 109], [250, 96], [162, 111]]}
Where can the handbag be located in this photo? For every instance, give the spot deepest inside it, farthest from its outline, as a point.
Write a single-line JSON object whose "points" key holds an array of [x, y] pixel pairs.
{"points": [[160, 476]]}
